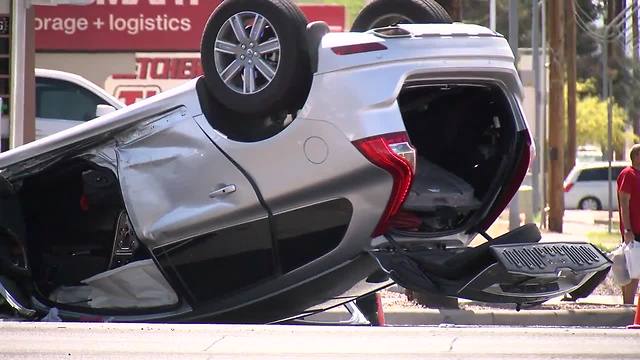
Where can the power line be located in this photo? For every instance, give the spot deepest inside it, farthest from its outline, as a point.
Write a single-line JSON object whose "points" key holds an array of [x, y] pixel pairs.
{"points": [[581, 9], [616, 23]]}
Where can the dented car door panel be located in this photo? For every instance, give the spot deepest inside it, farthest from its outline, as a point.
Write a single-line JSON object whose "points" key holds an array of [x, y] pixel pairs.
{"points": [[168, 168]]}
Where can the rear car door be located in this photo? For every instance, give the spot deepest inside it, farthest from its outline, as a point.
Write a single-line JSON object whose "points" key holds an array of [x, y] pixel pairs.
{"points": [[591, 183], [194, 208], [61, 104]]}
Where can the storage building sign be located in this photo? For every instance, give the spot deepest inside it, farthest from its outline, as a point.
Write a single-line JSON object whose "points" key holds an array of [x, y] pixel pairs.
{"points": [[141, 25], [155, 73]]}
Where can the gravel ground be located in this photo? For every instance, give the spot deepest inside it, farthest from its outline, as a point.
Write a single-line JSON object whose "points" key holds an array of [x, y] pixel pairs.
{"points": [[392, 300]]}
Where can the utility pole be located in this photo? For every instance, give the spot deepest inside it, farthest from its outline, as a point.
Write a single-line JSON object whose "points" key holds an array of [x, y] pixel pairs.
{"points": [[453, 7], [514, 207], [514, 30], [544, 102], [456, 10], [22, 103], [492, 14], [634, 56], [570, 48], [556, 116], [634, 32], [539, 136]]}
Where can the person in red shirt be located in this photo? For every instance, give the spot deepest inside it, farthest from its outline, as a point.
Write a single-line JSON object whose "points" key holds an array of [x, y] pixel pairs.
{"points": [[629, 207]]}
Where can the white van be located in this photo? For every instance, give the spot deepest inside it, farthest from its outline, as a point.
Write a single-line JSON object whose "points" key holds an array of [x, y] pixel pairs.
{"points": [[586, 186]]}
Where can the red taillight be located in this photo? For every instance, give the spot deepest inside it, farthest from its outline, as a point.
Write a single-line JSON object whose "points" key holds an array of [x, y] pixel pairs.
{"points": [[358, 48], [393, 153], [511, 189], [568, 187]]}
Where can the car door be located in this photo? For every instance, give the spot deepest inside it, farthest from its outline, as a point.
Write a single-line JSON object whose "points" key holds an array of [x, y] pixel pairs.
{"points": [[194, 209], [592, 183], [61, 104]]}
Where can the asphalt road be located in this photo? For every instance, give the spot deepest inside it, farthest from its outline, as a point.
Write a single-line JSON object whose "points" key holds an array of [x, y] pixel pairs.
{"points": [[119, 341]]}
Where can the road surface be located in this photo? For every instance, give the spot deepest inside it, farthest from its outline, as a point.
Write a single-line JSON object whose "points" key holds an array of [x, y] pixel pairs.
{"points": [[119, 341]]}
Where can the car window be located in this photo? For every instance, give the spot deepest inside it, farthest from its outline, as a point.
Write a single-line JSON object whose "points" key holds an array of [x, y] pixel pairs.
{"points": [[59, 99], [616, 171], [599, 174]]}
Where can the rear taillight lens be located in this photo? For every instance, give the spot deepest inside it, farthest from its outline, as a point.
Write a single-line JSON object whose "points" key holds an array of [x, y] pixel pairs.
{"points": [[568, 187], [511, 189], [393, 153], [358, 48]]}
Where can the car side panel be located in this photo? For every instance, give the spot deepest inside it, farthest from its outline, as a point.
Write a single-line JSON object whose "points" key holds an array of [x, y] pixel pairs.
{"points": [[168, 170], [310, 163], [591, 189]]}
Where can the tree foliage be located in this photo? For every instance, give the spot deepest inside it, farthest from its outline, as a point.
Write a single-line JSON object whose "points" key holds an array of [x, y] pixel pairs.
{"points": [[592, 119]]}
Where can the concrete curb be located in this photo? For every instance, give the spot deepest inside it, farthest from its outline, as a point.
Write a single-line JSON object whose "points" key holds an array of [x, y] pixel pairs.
{"points": [[589, 318], [619, 317]]}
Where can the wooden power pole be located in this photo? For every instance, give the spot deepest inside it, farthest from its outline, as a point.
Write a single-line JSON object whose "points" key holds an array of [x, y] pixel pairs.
{"points": [[556, 116], [634, 20], [570, 48], [635, 56], [453, 7], [456, 10]]}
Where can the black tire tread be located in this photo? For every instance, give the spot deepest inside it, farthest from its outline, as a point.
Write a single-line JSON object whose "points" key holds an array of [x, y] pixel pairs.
{"points": [[295, 30], [580, 204], [434, 11]]}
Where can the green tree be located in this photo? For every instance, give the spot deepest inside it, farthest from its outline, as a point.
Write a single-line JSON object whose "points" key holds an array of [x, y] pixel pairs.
{"points": [[592, 122]]}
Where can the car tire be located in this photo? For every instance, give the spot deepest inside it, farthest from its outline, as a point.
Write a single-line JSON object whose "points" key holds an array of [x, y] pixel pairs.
{"points": [[381, 13], [590, 203], [256, 72]]}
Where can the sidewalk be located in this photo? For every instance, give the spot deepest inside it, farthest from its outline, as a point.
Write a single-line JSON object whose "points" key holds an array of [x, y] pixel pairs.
{"points": [[593, 311]]}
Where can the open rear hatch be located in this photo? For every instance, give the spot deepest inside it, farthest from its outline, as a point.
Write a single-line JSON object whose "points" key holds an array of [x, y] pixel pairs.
{"points": [[472, 153]]}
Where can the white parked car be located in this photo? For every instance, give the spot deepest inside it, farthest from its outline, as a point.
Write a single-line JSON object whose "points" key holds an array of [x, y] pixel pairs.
{"points": [[586, 186], [64, 100]]}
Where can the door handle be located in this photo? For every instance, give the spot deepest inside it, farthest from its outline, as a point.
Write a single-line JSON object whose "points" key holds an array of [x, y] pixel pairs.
{"points": [[228, 189]]}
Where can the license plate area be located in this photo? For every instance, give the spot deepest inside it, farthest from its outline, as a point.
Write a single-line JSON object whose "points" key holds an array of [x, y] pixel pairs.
{"points": [[548, 259]]}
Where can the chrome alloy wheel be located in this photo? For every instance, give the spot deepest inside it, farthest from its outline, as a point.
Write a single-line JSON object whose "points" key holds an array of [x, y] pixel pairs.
{"points": [[247, 52]]}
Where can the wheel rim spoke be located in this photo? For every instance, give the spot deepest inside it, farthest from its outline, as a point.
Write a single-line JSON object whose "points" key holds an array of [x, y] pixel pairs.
{"points": [[238, 28], [265, 69], [247, 61], [226, 47], [258, 26], [231, 71], [249, 80], [268, 46]]}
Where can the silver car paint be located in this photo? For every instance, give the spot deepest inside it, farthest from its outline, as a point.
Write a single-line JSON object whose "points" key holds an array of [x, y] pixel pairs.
{"points": [[348, 102], [167, 169], [364, 87], [288, 180]]}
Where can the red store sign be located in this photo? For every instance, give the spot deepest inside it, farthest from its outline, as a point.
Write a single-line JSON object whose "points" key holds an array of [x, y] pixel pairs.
{"points": [[141, 25]]}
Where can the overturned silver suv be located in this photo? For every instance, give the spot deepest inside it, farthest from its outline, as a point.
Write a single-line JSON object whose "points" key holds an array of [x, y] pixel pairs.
{"points": [[306, 169]]}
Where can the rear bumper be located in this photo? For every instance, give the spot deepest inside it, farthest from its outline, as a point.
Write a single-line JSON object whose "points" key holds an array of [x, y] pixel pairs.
{"points": [[511, 270]]}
